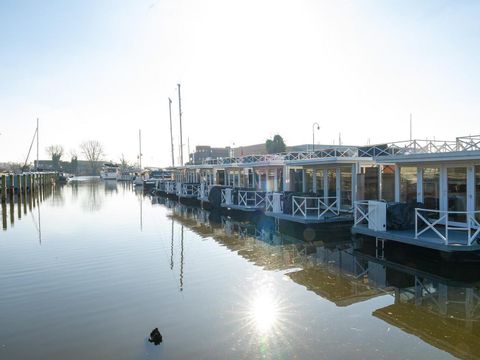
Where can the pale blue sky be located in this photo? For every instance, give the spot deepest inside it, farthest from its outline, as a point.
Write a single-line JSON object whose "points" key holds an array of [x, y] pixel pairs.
{"points": [[248, 69]]}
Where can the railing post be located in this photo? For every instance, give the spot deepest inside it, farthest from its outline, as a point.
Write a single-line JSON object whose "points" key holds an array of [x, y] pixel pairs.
{"points": [[416, 222]]}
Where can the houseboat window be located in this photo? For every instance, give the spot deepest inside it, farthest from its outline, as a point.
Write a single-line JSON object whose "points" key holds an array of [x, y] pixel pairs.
{"points": [[309, 180], [371, 183], [477, 190], [457, 192], [346, 187], [320, 184], [431, 188], [280, 180], [296, 180], [388, 182], [408, 184], [332, 185]]}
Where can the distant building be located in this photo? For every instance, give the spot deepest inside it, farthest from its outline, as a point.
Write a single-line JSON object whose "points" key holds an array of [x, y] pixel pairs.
{"points": [[205, 152], [257, 149]]}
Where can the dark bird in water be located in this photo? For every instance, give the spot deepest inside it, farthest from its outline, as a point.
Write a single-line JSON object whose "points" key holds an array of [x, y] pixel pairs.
{"points": [[155, 337]]}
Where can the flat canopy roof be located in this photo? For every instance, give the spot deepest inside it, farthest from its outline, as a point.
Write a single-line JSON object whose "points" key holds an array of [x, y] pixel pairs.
{"points": [[452, 156]]}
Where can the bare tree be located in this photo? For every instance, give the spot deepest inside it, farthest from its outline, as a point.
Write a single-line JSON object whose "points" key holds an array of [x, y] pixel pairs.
{"points": [[56, 153], [93, 152]]}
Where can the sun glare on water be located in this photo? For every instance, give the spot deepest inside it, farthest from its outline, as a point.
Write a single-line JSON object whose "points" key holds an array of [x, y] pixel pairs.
{"points": [[264, 312]]}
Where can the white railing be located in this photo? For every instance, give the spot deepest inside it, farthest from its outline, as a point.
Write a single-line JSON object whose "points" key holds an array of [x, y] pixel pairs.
{"points": [[417, 146], [251, 198], [171, 187], [190, 190], [316, 206], [441, 225], [227, 196], [274, 202], [204, 191], [362, 212], [468, 142]]}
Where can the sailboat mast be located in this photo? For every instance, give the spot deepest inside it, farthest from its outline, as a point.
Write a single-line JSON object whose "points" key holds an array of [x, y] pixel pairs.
{"points": [[180, 117], [38, 147], [140, 148], [171, 131]]}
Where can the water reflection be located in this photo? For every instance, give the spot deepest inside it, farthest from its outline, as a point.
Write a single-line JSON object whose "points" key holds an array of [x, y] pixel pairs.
{"points": [[430, 301], [25, 203], [93, 199]]}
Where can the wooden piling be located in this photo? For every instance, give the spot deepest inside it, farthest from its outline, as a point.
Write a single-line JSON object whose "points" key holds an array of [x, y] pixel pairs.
{"points": [[3, 188]]}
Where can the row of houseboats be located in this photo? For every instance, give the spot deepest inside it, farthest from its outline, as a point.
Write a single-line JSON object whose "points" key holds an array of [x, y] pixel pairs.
{"points": [[419, 192]]}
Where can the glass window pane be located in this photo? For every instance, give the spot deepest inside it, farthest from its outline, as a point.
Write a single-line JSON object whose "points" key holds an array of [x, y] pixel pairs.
{"points": [[320, 182], [388, 182], [332, 185], [309, 180], [457, 192], [477, 191], [346, 187], [408, 184], [431, 188]]}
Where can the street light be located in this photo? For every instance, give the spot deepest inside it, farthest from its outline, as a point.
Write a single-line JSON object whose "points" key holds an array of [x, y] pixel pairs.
{"points": [[313, 134]]}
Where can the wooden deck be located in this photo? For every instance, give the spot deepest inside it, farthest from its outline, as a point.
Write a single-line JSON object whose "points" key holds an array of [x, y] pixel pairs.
{"points": [[457, 239]]}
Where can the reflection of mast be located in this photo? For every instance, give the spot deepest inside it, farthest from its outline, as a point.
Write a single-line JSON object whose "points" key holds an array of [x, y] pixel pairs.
{"points": [[39, 224], [181, 261], [171, 248], [141, 213]]}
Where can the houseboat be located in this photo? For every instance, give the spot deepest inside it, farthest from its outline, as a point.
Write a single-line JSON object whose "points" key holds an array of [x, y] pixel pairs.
{"points": [[109, 171], [319, 187], [427, 195]]}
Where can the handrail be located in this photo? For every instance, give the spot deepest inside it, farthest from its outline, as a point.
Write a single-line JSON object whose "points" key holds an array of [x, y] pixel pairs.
{"points": [[322, 207], [361, 212], [190, 189], [269, 202], [251, 198], [406, 147], [471, 225]]}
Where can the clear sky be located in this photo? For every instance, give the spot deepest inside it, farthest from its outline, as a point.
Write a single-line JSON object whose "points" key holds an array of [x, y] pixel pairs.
{"points": [[98, 69]]}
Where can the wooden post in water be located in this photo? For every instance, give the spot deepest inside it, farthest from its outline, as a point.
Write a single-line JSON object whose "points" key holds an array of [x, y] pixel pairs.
{"points": [[12, 187], [4, 215], [3, 188]]}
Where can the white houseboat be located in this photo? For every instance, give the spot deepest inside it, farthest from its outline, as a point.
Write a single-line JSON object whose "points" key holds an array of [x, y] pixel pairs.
{"points": [[438, 183], [109, 171]]}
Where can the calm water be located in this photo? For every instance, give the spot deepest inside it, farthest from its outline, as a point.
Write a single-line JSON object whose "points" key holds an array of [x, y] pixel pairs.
{"points": [[89, 271]]}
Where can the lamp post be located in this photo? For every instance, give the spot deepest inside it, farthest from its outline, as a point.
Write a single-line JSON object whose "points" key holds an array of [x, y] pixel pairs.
{"points": [[313, 134]]}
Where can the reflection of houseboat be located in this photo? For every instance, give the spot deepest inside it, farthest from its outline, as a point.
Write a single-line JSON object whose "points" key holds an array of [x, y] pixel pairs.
{"points": [[109, 171], [420, 298], [439, 186]]}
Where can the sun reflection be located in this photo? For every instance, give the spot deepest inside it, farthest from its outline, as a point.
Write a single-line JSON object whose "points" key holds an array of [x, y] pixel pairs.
{"points": [[264, 311]]}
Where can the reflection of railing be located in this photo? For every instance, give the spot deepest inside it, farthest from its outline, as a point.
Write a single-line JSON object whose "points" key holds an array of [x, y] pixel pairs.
{"points": [[315, 206], [190, 190], [251, 198], [441, 225]]}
